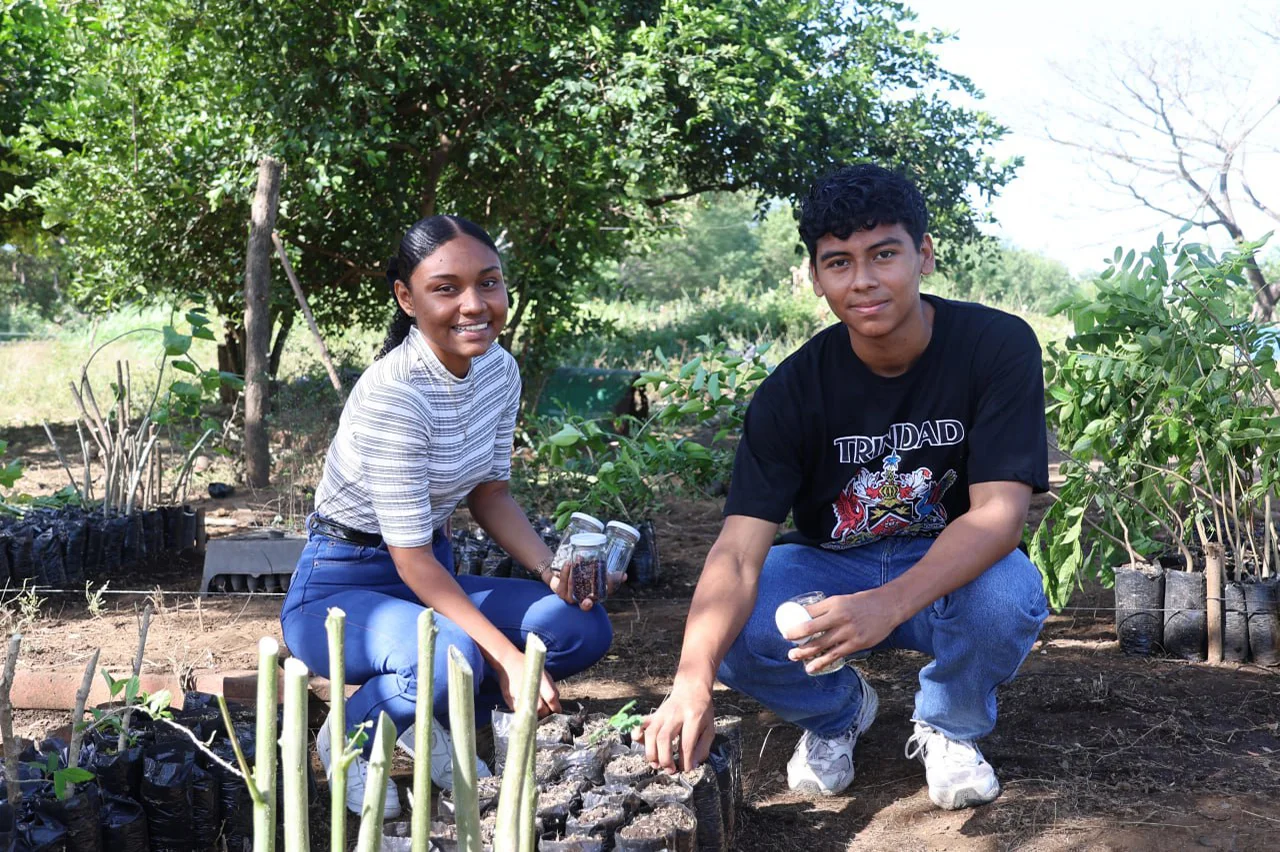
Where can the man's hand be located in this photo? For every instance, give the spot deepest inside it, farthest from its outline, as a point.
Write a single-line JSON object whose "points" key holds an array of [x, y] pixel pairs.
{"points": [[848, 624], [677, 736]]}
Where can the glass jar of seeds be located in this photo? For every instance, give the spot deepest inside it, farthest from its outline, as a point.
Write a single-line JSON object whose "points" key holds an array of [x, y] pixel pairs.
{"points": [[586, 567], [579, 522], [620, 541]]}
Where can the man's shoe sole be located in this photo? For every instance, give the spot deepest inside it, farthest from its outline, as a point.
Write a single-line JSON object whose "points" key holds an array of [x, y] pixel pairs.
{"points": [[966, 797]]}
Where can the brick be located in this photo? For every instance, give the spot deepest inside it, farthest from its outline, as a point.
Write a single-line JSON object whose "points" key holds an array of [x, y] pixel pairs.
{"points": [[56, 690]]}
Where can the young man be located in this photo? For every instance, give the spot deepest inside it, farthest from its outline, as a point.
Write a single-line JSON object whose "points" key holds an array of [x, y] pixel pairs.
{"points": [[905, 442]]}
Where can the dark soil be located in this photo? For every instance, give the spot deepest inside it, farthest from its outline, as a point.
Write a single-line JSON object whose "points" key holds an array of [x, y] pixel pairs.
{"points": [[1095, 750]]}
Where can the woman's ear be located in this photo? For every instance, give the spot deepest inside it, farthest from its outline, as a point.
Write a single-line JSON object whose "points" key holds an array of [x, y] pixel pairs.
{"points": [[404, 297]]}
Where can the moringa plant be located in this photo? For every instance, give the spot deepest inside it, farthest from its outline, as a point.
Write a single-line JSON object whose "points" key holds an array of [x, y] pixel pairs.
{"points": [[1165, 400]]}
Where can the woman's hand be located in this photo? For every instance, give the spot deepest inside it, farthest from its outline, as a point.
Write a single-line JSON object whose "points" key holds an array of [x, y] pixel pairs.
{"points": [[559, 583], [510, 673]]}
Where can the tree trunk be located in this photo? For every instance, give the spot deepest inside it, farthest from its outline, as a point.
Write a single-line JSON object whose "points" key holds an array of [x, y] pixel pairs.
{"points": [[1264, 294], [231, 359], [257, 322], [282, 334]]}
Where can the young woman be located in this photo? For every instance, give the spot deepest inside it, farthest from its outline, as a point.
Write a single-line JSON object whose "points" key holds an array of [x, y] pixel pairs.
{"points": [[429, 425]]}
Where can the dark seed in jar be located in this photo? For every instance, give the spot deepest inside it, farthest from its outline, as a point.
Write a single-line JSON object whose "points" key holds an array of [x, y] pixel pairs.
{"points": [[584, 575]]}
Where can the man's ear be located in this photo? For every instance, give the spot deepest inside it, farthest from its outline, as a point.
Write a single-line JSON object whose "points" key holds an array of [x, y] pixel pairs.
{"points": [[928, 262], [404, 297], [813, 276]]}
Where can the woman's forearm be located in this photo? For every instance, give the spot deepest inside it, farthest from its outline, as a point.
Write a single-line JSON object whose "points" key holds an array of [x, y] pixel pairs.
{"points": [[497, 512], [437, 588]]}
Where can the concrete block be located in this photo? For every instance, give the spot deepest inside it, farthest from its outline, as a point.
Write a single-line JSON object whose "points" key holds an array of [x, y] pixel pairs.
{"points": [[259, 561]]}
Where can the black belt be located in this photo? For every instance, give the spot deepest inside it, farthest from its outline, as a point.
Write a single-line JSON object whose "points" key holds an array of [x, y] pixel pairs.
{"points": [[334, 530]]}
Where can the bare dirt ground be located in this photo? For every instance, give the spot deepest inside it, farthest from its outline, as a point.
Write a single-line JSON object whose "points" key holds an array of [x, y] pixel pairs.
{"points": [[1096, 751]]}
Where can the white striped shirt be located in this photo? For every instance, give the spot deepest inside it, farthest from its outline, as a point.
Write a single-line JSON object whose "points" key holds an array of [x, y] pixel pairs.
{"points": [[414, 440]]}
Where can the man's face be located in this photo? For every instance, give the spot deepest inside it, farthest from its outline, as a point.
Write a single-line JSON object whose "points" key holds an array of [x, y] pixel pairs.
{"points": [[871, 279]]}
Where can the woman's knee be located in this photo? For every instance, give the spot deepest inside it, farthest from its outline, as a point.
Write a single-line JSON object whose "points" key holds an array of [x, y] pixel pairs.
{"points": [[578, 639]]}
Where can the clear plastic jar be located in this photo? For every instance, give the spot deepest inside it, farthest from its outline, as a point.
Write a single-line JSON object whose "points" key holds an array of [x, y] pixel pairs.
{"points": [[795, 611], [620, 542], [579, 522], [586, 567]]}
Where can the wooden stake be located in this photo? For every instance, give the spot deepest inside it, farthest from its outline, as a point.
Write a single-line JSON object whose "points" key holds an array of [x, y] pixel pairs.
{"points": [[143, 628], [77, 715], [335, 626], [264, 770], [510, 798], [6, 721], [462, 724], [420, 829], [375, 786], [58, 452], [1213, 557], [293, 757], [311, 321]]}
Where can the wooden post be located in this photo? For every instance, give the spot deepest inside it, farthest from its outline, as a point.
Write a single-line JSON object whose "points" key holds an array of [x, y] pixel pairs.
{"points": [[1213, 599], [257, 322], [311, 320]]}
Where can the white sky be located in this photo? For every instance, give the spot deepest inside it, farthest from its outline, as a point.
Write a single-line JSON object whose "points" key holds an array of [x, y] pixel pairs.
{"points": [[1057, 203]]}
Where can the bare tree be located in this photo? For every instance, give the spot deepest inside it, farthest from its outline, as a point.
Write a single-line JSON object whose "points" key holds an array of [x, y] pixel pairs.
{"points": [[1187, 132]]}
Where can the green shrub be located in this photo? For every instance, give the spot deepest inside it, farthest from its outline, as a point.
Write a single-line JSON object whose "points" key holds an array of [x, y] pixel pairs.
{"points": [[1166, 400], [623, 467]]}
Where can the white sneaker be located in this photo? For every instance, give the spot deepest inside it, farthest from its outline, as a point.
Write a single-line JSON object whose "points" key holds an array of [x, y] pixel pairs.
{"points": [[356, 774], [958, 775], [441, 755], [823, 766]]}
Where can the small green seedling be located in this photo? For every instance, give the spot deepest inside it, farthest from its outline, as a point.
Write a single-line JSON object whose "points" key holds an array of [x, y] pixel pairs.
{"points": [[622, 722], [63, 778]]}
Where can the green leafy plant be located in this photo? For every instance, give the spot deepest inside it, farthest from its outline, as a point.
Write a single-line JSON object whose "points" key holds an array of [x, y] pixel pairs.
{"points": [[621, 722], [94, 598], [126, 434], [62, 777], [1165, 399], [10, 471], [155, 705], [623, 467]]}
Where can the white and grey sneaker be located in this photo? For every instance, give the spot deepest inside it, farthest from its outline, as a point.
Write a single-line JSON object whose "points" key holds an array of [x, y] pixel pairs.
{"points": [[441, 755], [958, 775], [356, 775], [823, 766]]}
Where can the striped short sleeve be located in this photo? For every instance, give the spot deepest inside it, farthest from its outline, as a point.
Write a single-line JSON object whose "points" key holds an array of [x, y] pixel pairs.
{"points": [[504, 440], [391, 437]]}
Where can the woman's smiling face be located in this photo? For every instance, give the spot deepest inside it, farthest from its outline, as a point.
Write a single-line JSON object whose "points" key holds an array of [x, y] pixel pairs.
{"points": [[458, 300]]}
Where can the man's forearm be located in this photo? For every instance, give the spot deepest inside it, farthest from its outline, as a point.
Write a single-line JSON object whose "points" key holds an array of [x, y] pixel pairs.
{"points": [[722, 603], [969, 545]]}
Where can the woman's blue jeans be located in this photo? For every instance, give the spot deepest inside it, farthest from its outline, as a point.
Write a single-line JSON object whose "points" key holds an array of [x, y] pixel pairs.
{"points": [[382, 626], [978, 636]]}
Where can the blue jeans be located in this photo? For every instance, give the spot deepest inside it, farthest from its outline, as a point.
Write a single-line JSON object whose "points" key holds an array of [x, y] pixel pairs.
{"points": [[978, 636], [382, 626]]}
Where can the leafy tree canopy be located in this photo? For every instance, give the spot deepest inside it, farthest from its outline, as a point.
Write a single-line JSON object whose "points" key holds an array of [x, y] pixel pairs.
{"points": [[566, 127]]}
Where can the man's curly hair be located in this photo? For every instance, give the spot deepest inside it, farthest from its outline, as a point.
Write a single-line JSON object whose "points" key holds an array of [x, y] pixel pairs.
{"points": [[860, 197]]}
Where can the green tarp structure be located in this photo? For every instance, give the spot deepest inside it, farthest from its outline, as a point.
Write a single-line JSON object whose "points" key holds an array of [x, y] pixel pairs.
{"points": [[589, 392]]}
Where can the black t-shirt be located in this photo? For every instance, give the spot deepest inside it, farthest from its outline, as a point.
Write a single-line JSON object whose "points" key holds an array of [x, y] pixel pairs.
{"points": [[856, 457]]}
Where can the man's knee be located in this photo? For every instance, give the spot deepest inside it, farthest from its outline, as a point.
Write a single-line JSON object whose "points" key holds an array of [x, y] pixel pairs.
{"points": [[1007, 597]]}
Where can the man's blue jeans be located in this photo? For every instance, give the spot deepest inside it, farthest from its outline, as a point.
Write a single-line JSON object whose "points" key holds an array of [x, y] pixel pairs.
{"points": [[978, 636], [382, 626]]}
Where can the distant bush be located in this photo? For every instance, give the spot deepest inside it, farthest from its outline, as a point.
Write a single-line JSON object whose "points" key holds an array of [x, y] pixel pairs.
{"points": [[1000, 275]]}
